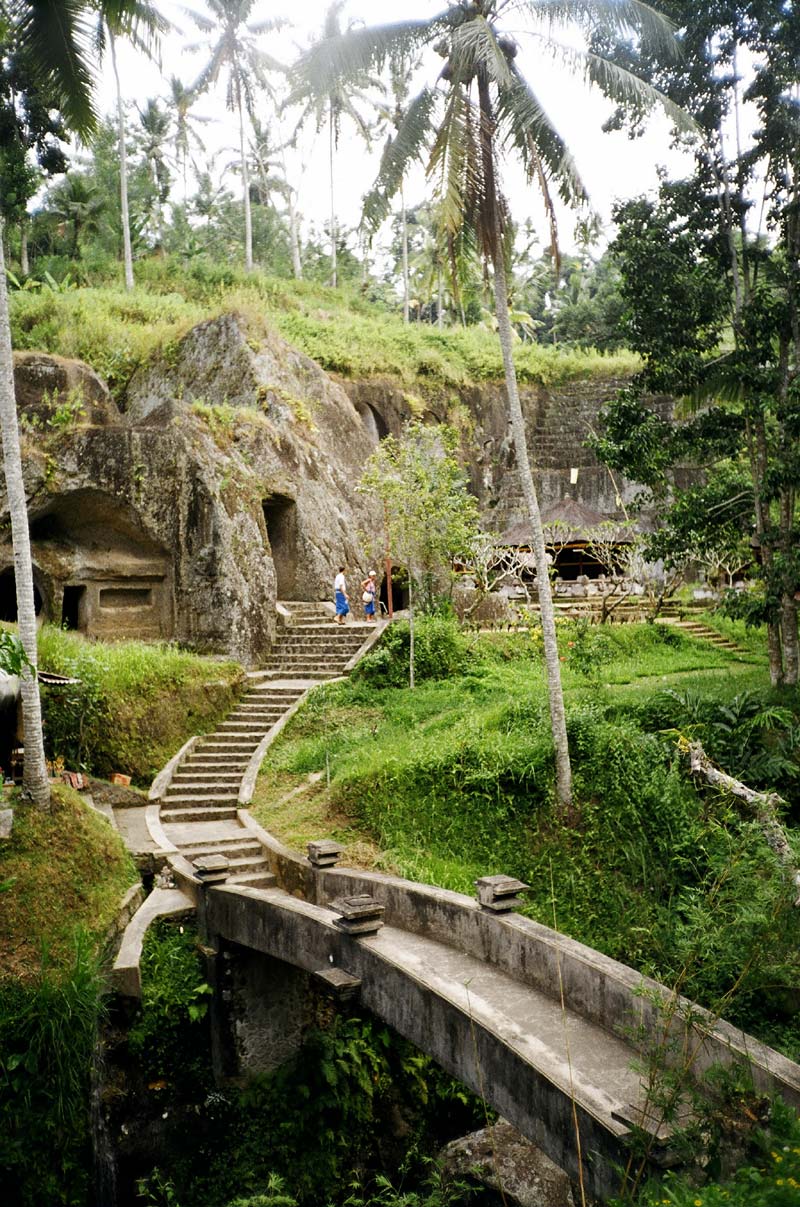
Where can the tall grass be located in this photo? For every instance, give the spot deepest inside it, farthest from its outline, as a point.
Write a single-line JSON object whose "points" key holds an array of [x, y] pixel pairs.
{"points": [[116, 331]]}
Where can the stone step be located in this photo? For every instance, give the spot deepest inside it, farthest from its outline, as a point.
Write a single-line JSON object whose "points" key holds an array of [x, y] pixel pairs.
{"points": [[210, 762], [227, 743], [183, 797], [197, 813], [253, 879], [229, 847], [268, 716], [242, 724], [258, 709], [307, 674], [244, 863], [193, 781]]}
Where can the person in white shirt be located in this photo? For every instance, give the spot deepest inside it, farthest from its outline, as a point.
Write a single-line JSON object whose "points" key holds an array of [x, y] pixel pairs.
{"points": [[340, 595]]}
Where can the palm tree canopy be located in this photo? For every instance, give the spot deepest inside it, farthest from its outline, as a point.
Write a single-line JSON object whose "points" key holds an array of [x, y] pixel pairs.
{"points": [[481, 102], [234, 51], [330, 96], [61, 38]]}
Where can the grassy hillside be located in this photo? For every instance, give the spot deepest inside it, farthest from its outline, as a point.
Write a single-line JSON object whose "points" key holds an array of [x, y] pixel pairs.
{"points": [[454, 780], [135, 704], [345, 332]]}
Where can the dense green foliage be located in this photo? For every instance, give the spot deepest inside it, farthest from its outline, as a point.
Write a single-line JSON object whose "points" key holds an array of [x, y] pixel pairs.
{"points": [[62, 875], [48, 1033], [455, 781], [345, 332], [135, 703], [355, 1102]]}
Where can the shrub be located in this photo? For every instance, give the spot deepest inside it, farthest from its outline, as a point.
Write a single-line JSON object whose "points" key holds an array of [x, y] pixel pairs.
{"points": [[440, 650]]}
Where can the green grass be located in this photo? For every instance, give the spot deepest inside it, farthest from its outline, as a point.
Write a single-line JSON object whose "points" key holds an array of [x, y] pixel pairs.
{"points": [[135, 704], [116, 331], [64, 871], [454, 780]]}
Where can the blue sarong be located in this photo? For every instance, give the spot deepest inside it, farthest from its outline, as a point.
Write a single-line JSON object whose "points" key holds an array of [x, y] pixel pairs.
{"points": [[342, 606]]}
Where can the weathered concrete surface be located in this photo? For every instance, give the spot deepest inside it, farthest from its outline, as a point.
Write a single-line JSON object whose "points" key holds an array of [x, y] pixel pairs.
{"points": [[500, 1038], [126, 974], [501, 1158]]}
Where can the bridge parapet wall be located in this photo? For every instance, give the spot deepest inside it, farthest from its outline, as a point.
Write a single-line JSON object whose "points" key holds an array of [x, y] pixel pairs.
{"points": [[598, 988]]}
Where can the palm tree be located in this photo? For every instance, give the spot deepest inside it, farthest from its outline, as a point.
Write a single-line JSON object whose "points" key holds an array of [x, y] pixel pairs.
{"points": [[140, 22], [180, 101], [401, 70], [77, 202], [482, 104], [154, 122], [234, 52], [58, 40], [330, 100]]}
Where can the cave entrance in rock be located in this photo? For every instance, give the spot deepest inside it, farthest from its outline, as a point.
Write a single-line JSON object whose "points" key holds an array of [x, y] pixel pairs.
{"points": [[280, 517], [73, 608], [375, 424], [399, 591], [8, 597]]}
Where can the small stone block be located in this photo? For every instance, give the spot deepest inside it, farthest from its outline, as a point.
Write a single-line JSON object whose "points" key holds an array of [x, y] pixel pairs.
{"points": [[212, 869], [361, 915], [338, 983], [499, 893], [325, 853], [6, 822]]}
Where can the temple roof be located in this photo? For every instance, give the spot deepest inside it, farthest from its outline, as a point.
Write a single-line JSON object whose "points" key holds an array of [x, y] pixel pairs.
{"points": [[566, 522]]}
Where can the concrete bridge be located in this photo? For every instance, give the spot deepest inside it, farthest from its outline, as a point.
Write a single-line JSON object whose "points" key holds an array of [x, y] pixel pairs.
{"points": [[551, 1033]]}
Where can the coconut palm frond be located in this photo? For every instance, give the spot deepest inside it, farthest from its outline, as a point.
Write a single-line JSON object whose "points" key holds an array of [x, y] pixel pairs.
{"points": [[58, 38], [269, 26], [525, 124], [203, 23], [475, 43], [628, 89], [350, 54], [619, 19], [455, 159], [407, 147], [210, 73]]}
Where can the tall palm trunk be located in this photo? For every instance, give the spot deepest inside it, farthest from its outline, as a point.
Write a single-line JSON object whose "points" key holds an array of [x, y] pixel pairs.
{"points": [[495, 242], [35, 785], [404, 225], [248, 217], [332, 143], [554, 691], [123, 171], [24, 264]]}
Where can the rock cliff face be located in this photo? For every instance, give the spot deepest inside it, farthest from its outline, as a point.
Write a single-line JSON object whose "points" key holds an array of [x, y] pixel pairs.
{"points": [[559, 419], [227, 483]]}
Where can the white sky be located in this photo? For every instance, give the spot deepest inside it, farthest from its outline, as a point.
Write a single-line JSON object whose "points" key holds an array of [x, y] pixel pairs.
{"points": [[612, 166]]}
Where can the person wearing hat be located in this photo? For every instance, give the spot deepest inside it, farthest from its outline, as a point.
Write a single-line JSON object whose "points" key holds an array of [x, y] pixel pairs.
{"points": [[369, 590]]}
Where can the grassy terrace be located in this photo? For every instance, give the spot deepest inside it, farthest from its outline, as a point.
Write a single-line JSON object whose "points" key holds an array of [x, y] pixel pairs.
{"points": [[116, 331], [454, 780]]}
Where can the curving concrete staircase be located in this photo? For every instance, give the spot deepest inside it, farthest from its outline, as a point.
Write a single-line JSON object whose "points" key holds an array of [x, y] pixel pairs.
{"points": [[199, 806]]}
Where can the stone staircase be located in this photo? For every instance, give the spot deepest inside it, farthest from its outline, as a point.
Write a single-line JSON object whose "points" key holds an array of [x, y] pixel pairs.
{"points": [[199, 808], [695, 629], [314, 647]]}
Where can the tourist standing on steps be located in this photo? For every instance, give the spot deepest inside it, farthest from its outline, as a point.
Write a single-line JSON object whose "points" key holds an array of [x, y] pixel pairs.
{"points": [[340, 595], [369, 590]]}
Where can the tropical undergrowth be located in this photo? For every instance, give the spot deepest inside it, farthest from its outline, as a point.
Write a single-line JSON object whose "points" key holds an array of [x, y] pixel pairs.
{"points": [[134, 703], [62, 875], [454, 780], [355, 1108], [116, 331]]}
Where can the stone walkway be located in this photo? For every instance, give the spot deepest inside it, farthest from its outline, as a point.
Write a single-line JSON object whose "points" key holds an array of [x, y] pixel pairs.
{"points": [[198, 814]]}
